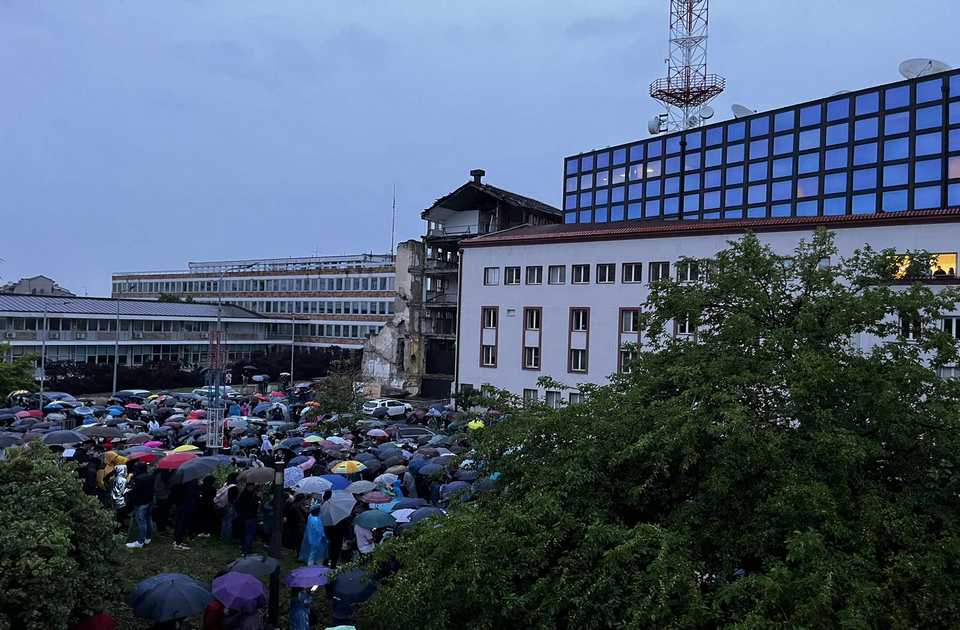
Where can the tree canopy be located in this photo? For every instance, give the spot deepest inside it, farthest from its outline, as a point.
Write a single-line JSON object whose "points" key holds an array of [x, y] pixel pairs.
{"points": [[16, 374], [776, 469]]}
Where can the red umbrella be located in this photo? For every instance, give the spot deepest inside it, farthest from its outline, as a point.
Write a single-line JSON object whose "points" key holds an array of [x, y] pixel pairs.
{"points": [[146, 458], [196, 414], [175, 460], [278, 394], [133, 406], [375, 497], [33, 413]]}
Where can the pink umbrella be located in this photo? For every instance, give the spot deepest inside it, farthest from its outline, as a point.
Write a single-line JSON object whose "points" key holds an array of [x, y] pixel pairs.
{"points": [[153, 444], [278, 395], [375, 497], [307, 465], [196, 414], [133, 406]]}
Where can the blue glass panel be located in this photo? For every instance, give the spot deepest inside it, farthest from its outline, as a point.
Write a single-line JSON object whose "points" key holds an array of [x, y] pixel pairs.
{"points": [[600, 196], [809, 139], [691, 181], [865, 153], [586, 163], [925, 197], [808, 163], [954, 112], [673, 165], [758, 170], [636, 172], [865, 179], [733, 196], [619, 156], [953, 195], [654, 168], [694, 216], [586, 199], [931, 90], [808, 186], [714, 136], [711, 200], [783, 167], [692, 161], [671, 205], [783, 144], [835, 206], [928, 144], [636, 191], [586, 216], [810, 115], [838, 134], [655, 148], [896, 123], [711, 179], [653, 188], [782, 210], [671, 185], [691, 202], [953, 167], [895, 175], [835, 183], [570, 217], [928, 171], [733, 213], [734, 153], [570, 202], [600, 215], [838, 109], [735, 131], [616, 194], [929, 117], [651, 208], [586, 181], [866, 128], [603, 159], [602, 178], [865, 204], [897, 97], [955, 86], [734, 175], [711, 215], [636, 153], [619, 175], [572, 165], [694, 140], [868, 103], [570, 184], [781, 190], [616, 213], [759, 126], [757, 194], [635, 211], [758, 149], [894, 201], [808, 208], [954, 140], [785, 120], [713, 157], [835, 158], [673, 145], [898, 149]]}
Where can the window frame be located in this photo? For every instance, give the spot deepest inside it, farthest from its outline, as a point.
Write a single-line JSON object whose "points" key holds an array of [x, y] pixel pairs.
{"points": [[491, 276], [538, 269], [495, 310], [609, 271], [584, 270], [562, 273], [575, 313], [512, 271], [636, 278], [663, 271], [528, 311]]}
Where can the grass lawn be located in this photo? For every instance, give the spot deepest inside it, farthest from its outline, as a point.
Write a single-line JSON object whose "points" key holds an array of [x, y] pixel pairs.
{"points": [[207, 556]]}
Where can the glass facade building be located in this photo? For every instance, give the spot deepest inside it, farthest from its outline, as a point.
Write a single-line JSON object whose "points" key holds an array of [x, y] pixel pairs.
{"points": [[890, 148]]}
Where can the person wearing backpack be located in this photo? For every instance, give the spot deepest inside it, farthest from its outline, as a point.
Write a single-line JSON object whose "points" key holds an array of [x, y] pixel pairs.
{"points": [[225, 500]]}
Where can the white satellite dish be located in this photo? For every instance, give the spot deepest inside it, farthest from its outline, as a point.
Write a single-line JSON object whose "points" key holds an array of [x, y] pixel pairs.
{"points": [[913, 68], [655, 124], [739, 111], [706, 112]]}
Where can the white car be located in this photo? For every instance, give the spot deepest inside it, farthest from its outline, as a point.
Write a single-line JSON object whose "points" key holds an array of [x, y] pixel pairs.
{"points": [[392, 407], [225, 390]]}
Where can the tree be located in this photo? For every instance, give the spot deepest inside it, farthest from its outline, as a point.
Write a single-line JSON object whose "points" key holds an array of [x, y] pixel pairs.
{"points": [[57, 546], [16, 374], [172, 297], [338, 391], [774, 470]]}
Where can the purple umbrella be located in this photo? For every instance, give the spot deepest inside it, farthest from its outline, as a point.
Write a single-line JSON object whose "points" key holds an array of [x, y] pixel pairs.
{"points": [[305, 577], [240, 591]]}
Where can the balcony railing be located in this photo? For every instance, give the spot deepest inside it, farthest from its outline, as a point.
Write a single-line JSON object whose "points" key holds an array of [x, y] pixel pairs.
{"points": [[456, 232], [441, 299], [435, 266]]}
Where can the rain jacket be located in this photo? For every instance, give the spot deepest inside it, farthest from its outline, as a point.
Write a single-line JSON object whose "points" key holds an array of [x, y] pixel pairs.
{"points": [[111, 459], [265, 445], [119, 492], [314, 545]]}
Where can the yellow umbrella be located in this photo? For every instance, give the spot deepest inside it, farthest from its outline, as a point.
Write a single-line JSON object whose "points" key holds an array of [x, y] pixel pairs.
{"points": [[185, 448], [152, 396], [473, 425], [313, 439], [348, 467]]}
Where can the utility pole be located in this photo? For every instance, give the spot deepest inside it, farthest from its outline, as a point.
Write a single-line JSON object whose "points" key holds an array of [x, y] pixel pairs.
{"points": [[293, 343], [43, 356], [116, 351]]}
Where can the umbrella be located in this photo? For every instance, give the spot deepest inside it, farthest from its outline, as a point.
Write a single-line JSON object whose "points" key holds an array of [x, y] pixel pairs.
{"points": [[257, 565], [240, 591], [359, 487], [247, 442], [262, 407], [115, 411], [102, 432], [353, 586], [133, 406], [174, 461], [153, 444], [313, 439], [296, 461], [430, 469], [377, 433], [410, 502], [374, 519], [139, 438], [339, 441], [397, 470], [312, 485], [291, 442], [142, 456], [196, 414], [425, 512], [168, 596], [338, 507], [338, 482], [56, 417], [386, 479], [467, 475], [348, 467], [456, 488], [185, 448], [401, 515], [291, 476], [306, 577], [473, 425], [9, 440], [64, 437], [375, 497], [261, 474], [196, 468], [485, 485]]}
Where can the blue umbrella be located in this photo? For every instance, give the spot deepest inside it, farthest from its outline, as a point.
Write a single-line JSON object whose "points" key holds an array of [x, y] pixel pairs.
{"points": [[292, 442], [416, 464], [168, 596], [339, 482], [296, 461], [430, 469], [305, 577], [425, 512], [262, 407], [115, 411], [457, 488], [374, 519], [353, 586], [248, 441], [467, 475]]}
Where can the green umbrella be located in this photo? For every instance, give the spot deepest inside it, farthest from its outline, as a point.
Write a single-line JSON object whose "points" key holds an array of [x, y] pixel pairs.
{"points": [[374, 519]]}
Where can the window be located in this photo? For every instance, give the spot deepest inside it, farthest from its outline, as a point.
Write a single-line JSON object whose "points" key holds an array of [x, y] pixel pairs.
{"points": [[580, 274], [579, 319], [688, 271], [606, 273], [529, 396], [659, 271], [630, 320], [951, 326], [511, 275], [488, 356], [910, 328], [685, 326], [632, 272], [488, 315], [575, 398], [535, 275], [491, 276], [578, 360], [557, 274], [627, 357], [553, 400], [531, 358]]}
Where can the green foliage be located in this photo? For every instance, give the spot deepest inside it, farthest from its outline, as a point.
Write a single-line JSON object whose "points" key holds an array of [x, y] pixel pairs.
{"points": [[16, 374], [779, 470], [57, 546], [338, 392], [172, 297]]}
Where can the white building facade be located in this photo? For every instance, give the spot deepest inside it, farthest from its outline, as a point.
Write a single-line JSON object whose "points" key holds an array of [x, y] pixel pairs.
{"points": [[559, 301]]}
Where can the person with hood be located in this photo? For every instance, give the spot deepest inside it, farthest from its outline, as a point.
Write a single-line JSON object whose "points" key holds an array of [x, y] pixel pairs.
{"points": [[409, 484], [300, 601], [313, 549], [105, 476], [153, 425], [118, 495]]}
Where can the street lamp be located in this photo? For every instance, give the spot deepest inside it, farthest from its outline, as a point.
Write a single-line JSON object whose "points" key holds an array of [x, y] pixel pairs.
{"points": [[116, 351], [275, 537], [43, 349]]}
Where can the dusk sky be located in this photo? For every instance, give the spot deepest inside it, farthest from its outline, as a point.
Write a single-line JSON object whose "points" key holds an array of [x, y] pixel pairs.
{"points": [[143, 135]]}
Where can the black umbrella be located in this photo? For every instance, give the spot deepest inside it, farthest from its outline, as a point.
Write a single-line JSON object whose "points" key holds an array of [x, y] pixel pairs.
{"points": [[410, 503], [425, 512], [102, 432], [197, 468], [396, 460], [168, 596], [9, 440], [353, 586], [256, 565], [64, 437]]}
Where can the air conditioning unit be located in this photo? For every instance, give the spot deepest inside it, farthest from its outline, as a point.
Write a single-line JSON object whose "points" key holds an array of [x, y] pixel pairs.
{"points": [[9, 335], [53, 335], [80, 335]]}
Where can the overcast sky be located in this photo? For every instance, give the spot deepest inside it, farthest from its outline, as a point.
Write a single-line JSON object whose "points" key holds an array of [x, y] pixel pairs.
{"points": [[140, 135]]}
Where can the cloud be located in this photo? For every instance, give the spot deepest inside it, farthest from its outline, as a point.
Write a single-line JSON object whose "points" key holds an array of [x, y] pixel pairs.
{"points": [[612, 26]]}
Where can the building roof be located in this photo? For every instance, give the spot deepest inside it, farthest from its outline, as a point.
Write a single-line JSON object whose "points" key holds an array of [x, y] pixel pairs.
{"points": [[465, 198], [14, 303], [541, 234]]}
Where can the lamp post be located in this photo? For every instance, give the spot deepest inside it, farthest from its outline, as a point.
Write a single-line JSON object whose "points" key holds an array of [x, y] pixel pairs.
{"points": [[116, 351], [293, 343], [275, 537], [43, 355]]}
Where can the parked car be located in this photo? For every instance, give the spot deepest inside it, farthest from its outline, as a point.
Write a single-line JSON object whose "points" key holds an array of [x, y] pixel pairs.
{"points": [[410, 432], [226, 390], [131, 395], [389, 406]]}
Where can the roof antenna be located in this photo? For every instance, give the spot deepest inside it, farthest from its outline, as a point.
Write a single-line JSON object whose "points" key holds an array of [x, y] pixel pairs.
{"points": [[393, 221]]}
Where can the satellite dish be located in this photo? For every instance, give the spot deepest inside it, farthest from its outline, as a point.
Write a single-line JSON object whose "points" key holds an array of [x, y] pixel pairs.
{"points": [[739, 111], [706, 112], [913, 68], [654, 125]]}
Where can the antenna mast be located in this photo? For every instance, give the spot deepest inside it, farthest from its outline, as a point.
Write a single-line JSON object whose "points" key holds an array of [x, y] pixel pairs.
{"points": [[393, 220], [687, 86]]}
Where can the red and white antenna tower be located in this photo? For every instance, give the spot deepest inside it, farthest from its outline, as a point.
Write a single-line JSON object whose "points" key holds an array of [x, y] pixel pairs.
{"points": [[687, 88]]}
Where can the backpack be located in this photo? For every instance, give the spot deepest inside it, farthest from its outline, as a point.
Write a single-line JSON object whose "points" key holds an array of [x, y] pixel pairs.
{"points": [[220, 499]]}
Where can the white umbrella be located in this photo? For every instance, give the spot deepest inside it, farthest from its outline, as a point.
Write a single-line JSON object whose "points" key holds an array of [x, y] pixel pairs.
{"points": [[338, 507], [292, 476], [403, 516], [386, 479], [312, 485], [360, 487]]}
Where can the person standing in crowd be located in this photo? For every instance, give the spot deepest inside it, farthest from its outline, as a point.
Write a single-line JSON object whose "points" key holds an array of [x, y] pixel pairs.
{"points": [[141, 502], [118, 495], [206, 518], [248, 506], [409, 483], [300, 601], [163, 486], [244, 409], [226, 501], [294, 521], [185, 497], [314, 548]]}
